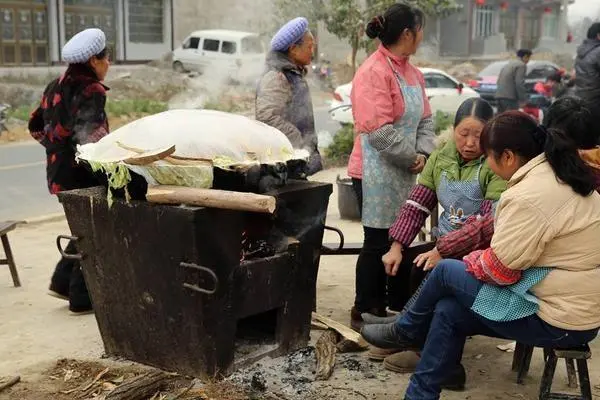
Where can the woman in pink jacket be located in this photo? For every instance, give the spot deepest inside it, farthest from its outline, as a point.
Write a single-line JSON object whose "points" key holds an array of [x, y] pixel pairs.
{"points": [[394, 136]]}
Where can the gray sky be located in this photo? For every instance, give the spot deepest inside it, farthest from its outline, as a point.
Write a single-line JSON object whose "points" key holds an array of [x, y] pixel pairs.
{"points": [[584, 8]]}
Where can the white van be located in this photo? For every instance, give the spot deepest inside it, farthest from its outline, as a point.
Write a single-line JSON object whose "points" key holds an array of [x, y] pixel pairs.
{"points": [[239, 54]]}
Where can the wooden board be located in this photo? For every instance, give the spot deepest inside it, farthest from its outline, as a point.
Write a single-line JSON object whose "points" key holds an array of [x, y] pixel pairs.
{"points": [[225, 199], [343, 330]]}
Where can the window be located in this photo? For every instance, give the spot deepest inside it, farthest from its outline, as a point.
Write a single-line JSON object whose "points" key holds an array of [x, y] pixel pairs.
{"points": [[229, 48], [493, 69], [192, 43], [146, 20], [437, 81], [550, 25], [252, 45], [484, 21], [541, 72], [211, 45]]}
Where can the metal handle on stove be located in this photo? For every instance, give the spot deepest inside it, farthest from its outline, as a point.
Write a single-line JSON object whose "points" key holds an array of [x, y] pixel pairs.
{"points": [[197, 288], [63, 253], [340, 234]]}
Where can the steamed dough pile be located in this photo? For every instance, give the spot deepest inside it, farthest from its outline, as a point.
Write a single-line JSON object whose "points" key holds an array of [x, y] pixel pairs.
{"points": [[181, 147]]}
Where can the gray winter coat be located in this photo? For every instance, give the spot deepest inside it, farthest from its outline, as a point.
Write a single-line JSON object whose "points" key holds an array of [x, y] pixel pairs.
{"points": [[587, 71], [283, 101], [511, 81]]}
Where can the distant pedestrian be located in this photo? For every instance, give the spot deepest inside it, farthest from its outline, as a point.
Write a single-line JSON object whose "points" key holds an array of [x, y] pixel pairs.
{"points": [[511, 93], [283, 98], [587, 69], [72, 113]]}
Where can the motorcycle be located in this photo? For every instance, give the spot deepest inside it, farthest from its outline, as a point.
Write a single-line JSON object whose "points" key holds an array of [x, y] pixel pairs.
{"points": [[322, 71], [4, 108]]}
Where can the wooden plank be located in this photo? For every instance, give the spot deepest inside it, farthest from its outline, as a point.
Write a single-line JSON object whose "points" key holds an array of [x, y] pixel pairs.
{"points": [[7, 226], [224, 199], [343, 330]]}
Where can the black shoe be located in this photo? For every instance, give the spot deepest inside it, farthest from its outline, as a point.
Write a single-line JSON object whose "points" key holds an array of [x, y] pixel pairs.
{"points": [[387, 336], [79, 298], [456, 380], [81, 310], [61, 278]]}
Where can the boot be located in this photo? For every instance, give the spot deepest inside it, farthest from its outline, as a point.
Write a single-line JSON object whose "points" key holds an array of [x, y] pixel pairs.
{"points": [[79, 298], [356, 321], [404, 362], [61, 278], [370, 319], [387, 336], [456, 380], [377, 354]]}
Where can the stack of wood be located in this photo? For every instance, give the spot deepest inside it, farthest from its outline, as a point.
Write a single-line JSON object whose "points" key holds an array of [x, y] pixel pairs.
{"points": [[336, 338]]}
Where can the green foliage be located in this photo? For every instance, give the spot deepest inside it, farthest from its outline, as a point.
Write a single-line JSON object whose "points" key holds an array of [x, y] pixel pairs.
{"points": [[118, 108], [338, 152], [21, 113], [431, 8], [285, 10], [441, 121], [114, 108], [346, 19], [223, 104]]}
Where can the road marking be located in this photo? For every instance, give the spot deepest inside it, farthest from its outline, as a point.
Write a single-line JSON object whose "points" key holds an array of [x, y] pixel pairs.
{"points": [[25, 165]]}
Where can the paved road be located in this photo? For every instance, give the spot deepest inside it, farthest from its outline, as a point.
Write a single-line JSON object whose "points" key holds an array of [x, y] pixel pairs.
{"points": [[23, 183], [23, 176]]}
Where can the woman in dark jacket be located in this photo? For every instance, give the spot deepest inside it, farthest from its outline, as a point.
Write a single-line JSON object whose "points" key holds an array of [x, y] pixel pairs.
{"points": [[72, 113], [283, 97]]}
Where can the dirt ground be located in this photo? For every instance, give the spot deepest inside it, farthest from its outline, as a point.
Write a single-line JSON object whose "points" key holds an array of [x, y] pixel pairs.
{"points": [[41, 342]]}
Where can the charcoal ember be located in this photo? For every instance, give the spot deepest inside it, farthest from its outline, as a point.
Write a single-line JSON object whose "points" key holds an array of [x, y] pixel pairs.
{"points": [[258, 383], [351, 364], [257, 249]]}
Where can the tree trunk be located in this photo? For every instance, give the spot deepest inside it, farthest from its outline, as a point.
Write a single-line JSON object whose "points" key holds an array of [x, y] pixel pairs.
{"points": [[141, 387], [355, 44], [354, 51]]}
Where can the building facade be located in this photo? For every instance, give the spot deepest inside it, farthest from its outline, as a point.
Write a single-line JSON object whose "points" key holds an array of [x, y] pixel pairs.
{"points": [[491, 27], [34, 31]]}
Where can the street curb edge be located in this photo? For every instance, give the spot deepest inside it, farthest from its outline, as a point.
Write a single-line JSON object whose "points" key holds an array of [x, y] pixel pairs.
{"points": [[44, 219]]}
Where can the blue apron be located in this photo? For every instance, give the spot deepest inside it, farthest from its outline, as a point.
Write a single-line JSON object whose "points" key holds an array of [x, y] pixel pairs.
{"points": [[385, 186], [460, 200]]}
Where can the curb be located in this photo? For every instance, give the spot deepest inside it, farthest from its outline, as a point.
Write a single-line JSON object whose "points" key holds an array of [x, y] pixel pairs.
{"points": [[44, 219]]}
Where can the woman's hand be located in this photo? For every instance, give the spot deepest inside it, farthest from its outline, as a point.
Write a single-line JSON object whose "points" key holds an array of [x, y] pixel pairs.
{"points": [[419, 164], [392, 259], [428, 260]]}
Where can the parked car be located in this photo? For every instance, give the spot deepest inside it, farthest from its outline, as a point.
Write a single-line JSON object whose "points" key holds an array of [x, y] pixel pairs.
{"points": [[239, 55], [486, 81], [445, 93]]}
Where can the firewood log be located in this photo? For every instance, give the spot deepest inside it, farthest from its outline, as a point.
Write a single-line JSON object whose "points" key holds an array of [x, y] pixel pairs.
{"points": [[141, 387], [325, 353]]}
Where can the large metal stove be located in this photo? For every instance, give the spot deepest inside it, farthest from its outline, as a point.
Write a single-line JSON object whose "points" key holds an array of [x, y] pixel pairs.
{"points": [[200, 291]]}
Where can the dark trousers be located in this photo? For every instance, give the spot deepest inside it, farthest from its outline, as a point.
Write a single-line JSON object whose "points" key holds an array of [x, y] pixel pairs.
{"points": [[68, 281], [442, 314], [507, 105], [374, 289]]}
